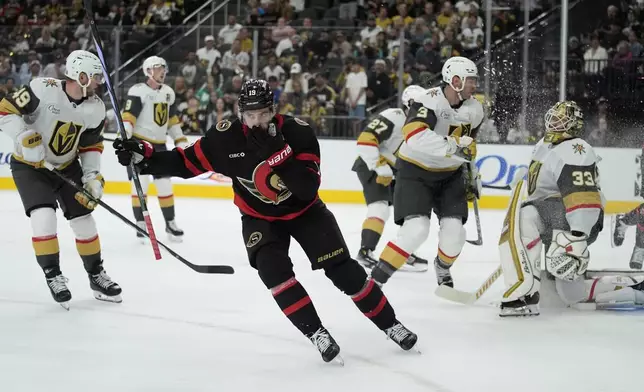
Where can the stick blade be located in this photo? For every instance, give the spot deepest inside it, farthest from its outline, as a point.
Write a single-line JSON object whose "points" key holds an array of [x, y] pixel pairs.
{"points": [[215, 269], [451, 294], [475, 242]]}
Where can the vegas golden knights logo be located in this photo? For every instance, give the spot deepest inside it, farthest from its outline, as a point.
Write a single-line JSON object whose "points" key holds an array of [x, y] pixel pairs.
{"points": [[460, 130], [63, 139], [533, 174], [161, 113]]}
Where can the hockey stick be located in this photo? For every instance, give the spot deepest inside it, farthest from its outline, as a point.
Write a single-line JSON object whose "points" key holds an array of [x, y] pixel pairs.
{"points": [[477, 218], [464, 297], [117, 112], [203, 269], [501, 187]]}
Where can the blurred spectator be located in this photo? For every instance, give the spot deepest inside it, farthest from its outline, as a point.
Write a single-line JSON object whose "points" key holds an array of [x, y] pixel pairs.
{"points": [[324, 94], [379, 87], [595, 57], [208, 55], [229, 32], [355, 92], [273, 69], [235, 59], [56, 69]]}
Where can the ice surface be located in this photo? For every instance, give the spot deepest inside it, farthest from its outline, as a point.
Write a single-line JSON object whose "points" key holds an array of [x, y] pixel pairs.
{"points": [[177, 330]]}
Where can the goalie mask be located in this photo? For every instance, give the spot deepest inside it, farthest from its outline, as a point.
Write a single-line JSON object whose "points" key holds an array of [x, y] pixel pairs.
{"points": [[564, 121]]}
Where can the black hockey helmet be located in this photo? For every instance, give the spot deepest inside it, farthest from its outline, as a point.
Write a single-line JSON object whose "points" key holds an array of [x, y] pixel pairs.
{"points": [[255, 94]]}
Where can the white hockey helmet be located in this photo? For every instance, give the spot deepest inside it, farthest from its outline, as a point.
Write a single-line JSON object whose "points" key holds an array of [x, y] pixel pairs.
{"points": [[411, 93], [461, 67], [82, 61], [153, 62]]}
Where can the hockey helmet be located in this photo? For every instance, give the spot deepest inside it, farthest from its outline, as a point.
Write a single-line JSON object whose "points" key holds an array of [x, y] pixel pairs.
{"points": [[255, 94], [565, 117], [461, 67], [153, 62], [84, 62], [411, 93]]}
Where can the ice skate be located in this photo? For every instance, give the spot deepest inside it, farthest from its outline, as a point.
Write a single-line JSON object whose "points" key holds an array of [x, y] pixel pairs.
{"points": [[175, 234], [105, 289], [637, 258], [143, 239], [525, 306], [443, 276], [327, 346], [415, 264], [366, 259], [58, 288], [618, 229], [402, 336]]}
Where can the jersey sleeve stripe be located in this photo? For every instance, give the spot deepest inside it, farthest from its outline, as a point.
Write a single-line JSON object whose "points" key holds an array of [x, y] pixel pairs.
{"points": [[578, 200], [305, 156], [174, 120], [129, 117], [202, 157], [181, 140], [94, 147], [189, 165], [413, 128], [368, 139]]}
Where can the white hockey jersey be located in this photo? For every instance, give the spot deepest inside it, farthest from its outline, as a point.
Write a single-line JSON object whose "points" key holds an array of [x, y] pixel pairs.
{"points": [[430, 119], [382, 137], [567, 170], [68, 127], [152, 114]]}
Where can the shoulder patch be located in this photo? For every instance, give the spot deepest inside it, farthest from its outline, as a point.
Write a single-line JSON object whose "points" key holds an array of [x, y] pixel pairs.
{"points": [[223, 125], [50, 82], [301, 122]]}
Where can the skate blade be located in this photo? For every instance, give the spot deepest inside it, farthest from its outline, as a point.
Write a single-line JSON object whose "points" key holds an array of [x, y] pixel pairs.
{"points": [[338, 360], [414, 268], [175, 239], [64, 305], [102, 297]]}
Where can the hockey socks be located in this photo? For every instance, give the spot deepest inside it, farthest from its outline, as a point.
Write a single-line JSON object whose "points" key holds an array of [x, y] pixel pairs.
{"points": [[373, 303], [167, 207], [634, 216], [372, 229], [136, 208], [47, 250], [90, 252], [296, 304]]}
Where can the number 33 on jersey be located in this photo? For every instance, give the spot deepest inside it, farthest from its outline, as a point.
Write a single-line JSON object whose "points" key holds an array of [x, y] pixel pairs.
{"points": [[568, 170]]}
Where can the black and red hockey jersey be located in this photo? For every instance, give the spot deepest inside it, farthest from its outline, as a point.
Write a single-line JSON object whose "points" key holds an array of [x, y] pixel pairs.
{"points": [[280, 192]]}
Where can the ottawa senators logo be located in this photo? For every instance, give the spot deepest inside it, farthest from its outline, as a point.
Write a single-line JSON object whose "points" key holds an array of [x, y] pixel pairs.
{"points": [[266, 185]]}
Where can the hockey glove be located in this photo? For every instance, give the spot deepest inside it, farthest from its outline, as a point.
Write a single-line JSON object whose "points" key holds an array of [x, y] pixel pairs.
{"points": [[461, 146], [93, 183], [31, 148], [567, 257], [269, 145], [384, 174], [132, 150], [473, 184]]}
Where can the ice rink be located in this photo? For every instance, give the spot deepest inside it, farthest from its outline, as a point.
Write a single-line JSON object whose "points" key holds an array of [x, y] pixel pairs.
{"points": [[181, 331]]}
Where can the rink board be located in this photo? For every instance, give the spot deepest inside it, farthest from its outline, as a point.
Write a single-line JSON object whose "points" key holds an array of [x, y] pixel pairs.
{"points": [[619, 172]]}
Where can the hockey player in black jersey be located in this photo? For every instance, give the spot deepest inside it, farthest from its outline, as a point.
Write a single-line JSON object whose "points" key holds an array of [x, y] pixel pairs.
{"points": [[274, 163]]}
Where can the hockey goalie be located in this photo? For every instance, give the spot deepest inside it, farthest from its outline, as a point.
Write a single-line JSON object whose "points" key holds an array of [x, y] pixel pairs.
{"points": [[559, 209]]}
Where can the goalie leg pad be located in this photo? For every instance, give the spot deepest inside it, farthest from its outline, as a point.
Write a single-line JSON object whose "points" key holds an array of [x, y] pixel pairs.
{"points": [[451, 238], [44, 236], [520, 248]]}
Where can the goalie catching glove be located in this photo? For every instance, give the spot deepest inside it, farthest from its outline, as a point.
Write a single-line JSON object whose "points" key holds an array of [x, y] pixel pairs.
{"points": [[384, 174], [568, 255]]}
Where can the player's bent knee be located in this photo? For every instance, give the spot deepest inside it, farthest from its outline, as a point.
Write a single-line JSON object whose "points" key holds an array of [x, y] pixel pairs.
{"points": [[164, 186], [451, 236], [413, 233], [347, 276], [379, 209], [273, 266], [43, 222], [84, 227]]}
